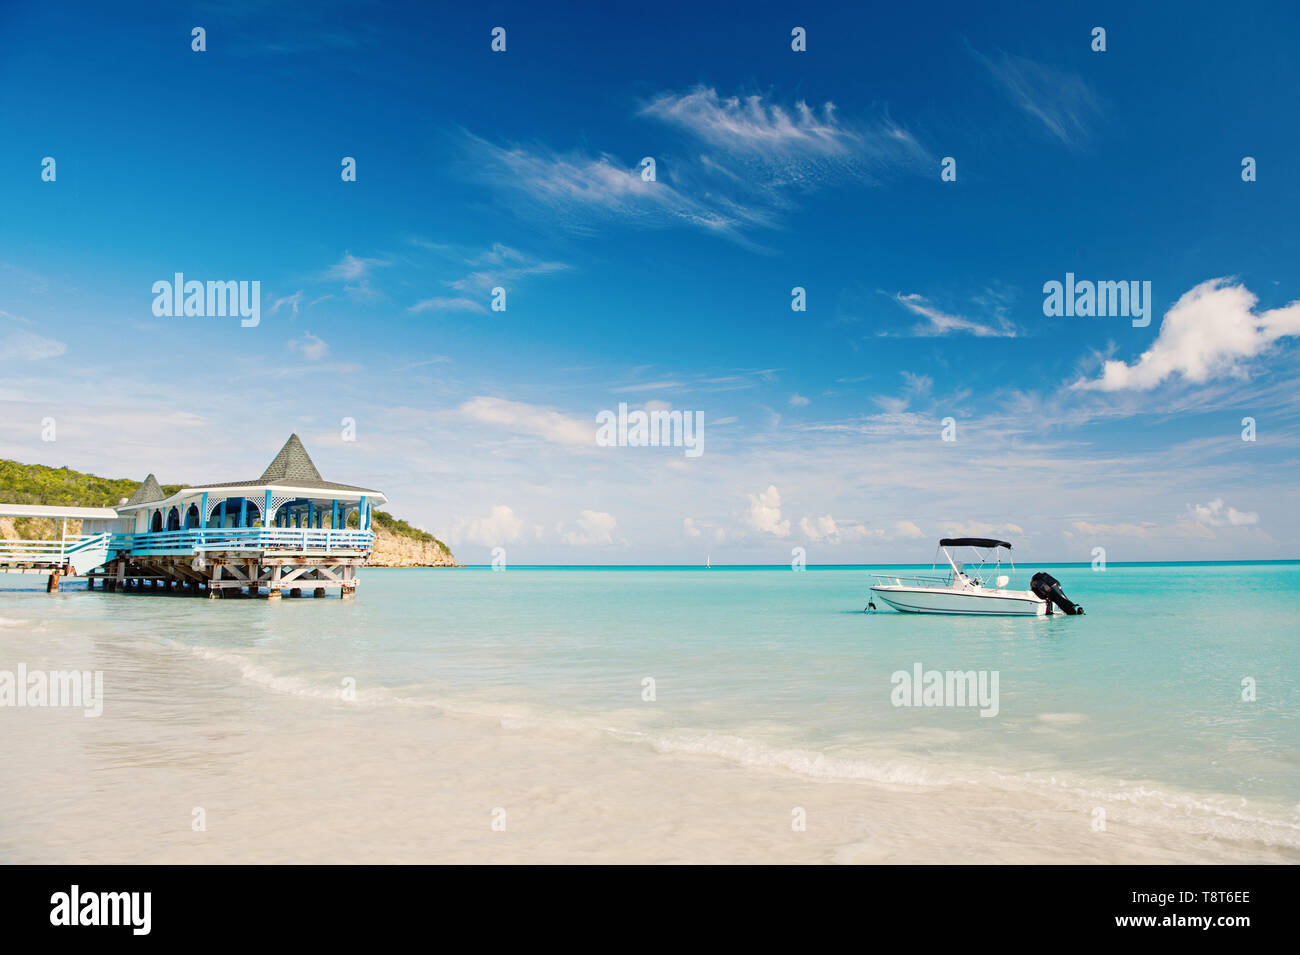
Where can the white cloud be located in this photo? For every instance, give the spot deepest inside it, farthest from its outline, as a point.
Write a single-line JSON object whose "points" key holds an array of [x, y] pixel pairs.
{"points": [[702, 529], [818, 528], [309, 346], [501, 526], [979, 529], [22, 345], [593, 528], [458, 304], [798, 401], [1093, 531], [292, 301], [1207, 334], [350, 268], [906, 529], [1218, 514], [765, 512], [826, 528], [522, 418]]}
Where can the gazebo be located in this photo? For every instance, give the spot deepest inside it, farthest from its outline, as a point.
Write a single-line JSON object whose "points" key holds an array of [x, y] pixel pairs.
{"points": [[290, 494], [286, 530]]}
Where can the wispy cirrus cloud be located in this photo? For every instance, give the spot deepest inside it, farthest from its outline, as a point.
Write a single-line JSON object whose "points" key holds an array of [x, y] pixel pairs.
{"points": [[502, 265], [1060, 100], [757, 154], [796, 145], [936, 322], [752, 125], [499, 266], [583, 192]]}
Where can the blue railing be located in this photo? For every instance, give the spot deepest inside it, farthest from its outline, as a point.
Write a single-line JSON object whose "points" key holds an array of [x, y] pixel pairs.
{"points": [[197, 539]]}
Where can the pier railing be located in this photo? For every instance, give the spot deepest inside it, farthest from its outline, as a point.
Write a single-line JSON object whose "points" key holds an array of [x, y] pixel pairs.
{"points": [[894, 580], [81, 552], [198, 539]]}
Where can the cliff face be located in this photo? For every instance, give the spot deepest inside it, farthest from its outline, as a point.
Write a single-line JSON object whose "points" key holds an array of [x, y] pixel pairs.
{"points": [[393, 551]]}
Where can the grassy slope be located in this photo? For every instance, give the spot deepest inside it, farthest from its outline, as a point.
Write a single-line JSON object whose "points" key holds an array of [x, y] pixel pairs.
{"points": [[38, 484]]}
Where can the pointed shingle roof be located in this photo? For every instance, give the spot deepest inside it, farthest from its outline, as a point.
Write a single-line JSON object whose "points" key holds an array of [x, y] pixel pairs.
{"points": [[148, 492], [291, 466]]}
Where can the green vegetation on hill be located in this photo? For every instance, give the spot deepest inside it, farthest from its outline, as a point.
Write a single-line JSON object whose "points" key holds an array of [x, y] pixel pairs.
{"points": [[38, 484], [399, 528]]}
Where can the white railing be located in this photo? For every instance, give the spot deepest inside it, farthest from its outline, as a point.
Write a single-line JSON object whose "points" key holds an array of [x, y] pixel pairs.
{"points": [[889, 580], [196, 539], [82, 551]]}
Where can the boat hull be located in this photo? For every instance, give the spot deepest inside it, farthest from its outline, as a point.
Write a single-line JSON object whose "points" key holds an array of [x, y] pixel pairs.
{"points": [[996, 603]]}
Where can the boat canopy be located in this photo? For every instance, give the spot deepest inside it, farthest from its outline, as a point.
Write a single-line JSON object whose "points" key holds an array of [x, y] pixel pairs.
{"points": [[972, 542]]}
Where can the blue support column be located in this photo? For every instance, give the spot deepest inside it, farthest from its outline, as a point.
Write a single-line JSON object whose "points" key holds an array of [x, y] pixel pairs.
{"points": [[243, 512], [311, 514], [221, 514], [266, 510], [203, 511], [334, 520], [363, 518]]}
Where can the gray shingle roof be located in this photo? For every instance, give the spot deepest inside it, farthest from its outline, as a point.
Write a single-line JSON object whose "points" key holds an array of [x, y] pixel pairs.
{"points": [[291, 467], [148, 492]]}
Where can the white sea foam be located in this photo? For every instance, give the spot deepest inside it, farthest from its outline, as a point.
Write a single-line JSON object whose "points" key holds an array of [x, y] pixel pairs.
{"points": [[1135, 804]]}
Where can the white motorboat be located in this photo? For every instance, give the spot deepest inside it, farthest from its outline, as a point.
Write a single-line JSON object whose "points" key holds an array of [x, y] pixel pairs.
{"points": [[981, 590]]}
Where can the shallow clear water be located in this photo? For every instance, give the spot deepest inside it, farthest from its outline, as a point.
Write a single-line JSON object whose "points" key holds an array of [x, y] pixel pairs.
{"points": [[1137, 704]]}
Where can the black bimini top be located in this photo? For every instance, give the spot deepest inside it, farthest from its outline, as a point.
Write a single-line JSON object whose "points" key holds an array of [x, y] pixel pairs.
{"points": [[973, 542]]}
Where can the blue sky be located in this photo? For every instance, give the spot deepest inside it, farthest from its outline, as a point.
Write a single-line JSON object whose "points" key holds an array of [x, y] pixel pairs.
{"points": [[774, 169]]}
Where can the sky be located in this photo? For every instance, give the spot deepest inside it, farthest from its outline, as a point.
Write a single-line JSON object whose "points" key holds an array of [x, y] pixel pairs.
{"points": [[920, 172]]}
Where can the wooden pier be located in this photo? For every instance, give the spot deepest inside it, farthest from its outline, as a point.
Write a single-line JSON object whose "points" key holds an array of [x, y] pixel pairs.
{"points": [[221, 574]]}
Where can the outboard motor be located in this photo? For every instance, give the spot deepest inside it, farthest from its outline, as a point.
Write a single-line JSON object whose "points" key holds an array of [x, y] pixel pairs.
{"points": [[1048, 588]]}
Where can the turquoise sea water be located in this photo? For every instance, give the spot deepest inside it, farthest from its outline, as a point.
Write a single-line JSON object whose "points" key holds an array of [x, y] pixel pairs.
{"points": [[1140, 700]]}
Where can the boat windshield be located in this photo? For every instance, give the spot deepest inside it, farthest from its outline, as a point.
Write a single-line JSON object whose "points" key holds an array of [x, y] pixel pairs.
{"points": [[984, 568]]}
